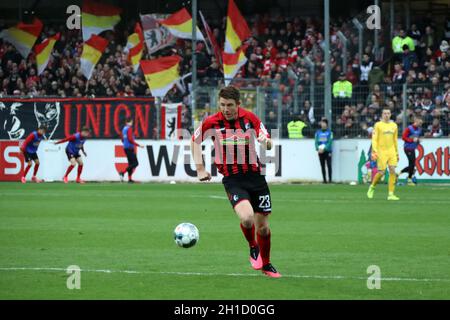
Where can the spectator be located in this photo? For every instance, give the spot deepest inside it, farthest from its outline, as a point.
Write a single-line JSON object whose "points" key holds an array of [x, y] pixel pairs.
{"points": [[415, 34], [365, 68], [295, 127], [376, 76], [426, 104], [399, 41], [399, 76], [347, 128], [429, 40], [342, 90], [409, 57], [434, 130]]}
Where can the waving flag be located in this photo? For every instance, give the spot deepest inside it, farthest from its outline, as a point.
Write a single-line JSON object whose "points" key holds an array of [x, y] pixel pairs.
{"points": [[23, 36], [161, 74], [180, 25], [43, 52], [232, 62], [135, 46], [98, 17], [212, 40], [156, 36], [92, 52], [237, 29]]}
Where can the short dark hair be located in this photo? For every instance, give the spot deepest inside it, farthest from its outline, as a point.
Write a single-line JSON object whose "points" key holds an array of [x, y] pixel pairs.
{"points": [[86, 128], [230, 92], [128, 119], [324, 120], [42, 127]]}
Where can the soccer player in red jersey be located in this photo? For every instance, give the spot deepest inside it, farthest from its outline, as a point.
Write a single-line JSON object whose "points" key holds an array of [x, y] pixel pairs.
{"points": [[29, 149], [233, 130], [76, 143]]}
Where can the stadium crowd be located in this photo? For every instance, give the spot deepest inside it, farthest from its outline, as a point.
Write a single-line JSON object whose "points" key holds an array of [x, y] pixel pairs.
{"points": [[417, 56]]}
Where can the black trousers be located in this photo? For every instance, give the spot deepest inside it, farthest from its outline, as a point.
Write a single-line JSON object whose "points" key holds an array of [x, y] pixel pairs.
{"points": [[411, 155], [132, 161], [325, 158]]}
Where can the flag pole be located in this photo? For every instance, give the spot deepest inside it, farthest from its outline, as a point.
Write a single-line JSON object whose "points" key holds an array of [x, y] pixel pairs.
{"points": [[194, 59], [158, 118], [327, 86]]}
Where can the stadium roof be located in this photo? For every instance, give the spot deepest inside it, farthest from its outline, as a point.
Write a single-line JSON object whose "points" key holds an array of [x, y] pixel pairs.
{"points": [[50, 10]]}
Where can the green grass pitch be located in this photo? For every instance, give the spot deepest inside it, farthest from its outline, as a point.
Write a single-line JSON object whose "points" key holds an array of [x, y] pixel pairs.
{"points": [[324, 237]]}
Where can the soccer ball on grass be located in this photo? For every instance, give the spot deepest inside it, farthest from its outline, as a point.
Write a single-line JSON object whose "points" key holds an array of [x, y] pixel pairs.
{"points": [[186, 235]]}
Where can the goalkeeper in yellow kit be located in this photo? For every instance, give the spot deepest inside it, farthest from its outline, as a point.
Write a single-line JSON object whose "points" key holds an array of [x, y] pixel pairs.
{"points": [[385, 152]]}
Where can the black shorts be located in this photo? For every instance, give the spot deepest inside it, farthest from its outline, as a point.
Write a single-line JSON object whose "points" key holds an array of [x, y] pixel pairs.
{"points": [[71, 155], [411, 155], [30, 156], [131, 157], [249, 186]]}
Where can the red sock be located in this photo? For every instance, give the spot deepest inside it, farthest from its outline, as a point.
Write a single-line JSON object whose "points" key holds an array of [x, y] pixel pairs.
{"points": [[80, 168], [249, 234], [68, 170], [28, 167], [36, 168], [264, 247]]}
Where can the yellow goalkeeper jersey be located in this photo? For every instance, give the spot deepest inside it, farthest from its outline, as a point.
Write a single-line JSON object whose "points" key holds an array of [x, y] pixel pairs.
{"points": [[384, 137]]}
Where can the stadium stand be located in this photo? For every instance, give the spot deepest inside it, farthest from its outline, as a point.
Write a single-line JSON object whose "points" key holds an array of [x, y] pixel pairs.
{"points": [[276, 62]]}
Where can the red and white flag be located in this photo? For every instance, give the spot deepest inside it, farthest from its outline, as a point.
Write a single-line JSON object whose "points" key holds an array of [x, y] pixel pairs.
{"points": [[170, 120], [212, 40]]}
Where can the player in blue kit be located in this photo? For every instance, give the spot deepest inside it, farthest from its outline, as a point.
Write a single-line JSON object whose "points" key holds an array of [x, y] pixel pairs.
{"points": [[73, 148], [129, 145], [29, 149], [411, 137]]}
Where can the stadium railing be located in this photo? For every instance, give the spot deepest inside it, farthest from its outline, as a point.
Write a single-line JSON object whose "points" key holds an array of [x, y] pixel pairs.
{"points": [[277, 105], [354, 117]]}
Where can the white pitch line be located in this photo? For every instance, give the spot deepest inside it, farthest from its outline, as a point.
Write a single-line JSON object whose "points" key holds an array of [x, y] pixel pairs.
{"points": [[113, 194], [218, 197], [323, 277]]}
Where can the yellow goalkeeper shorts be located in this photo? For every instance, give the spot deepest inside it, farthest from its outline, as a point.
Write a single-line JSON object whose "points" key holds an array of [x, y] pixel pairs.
{"points": [[386, 159]]}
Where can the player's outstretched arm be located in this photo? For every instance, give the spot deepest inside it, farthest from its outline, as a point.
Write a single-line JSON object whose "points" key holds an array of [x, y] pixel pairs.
{"points": [[265, 141], [132, 141], [70, 138], [196, 150]]}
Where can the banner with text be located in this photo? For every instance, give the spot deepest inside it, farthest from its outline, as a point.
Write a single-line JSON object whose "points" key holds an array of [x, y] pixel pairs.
{"points": [[167, 160], [64, 116]]}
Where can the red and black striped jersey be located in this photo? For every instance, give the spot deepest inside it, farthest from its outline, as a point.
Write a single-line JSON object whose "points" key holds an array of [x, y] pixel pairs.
{"points": [[234, 141]]}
